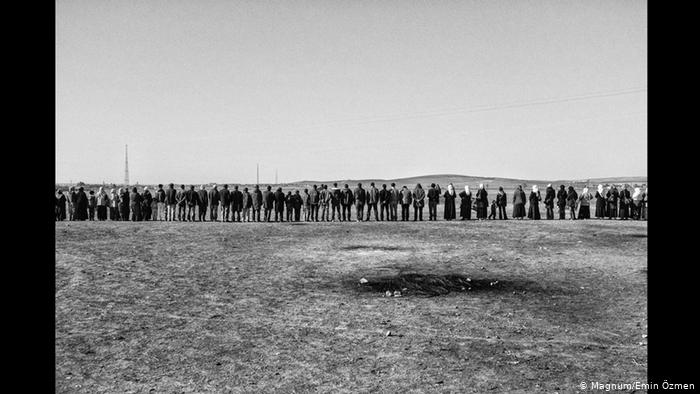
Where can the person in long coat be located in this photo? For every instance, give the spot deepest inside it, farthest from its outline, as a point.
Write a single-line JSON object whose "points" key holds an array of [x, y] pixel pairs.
{"points": [[549, 195], [482, 203], [314, 200], [113, 205], [450, 197], [637, 203], [644, 203], [102, 203], [247, 204], [519, 203], [297, 204], [465, 204], [600, 203], [268, 203], [279, 199], [612, 196], [257, 203], [289, 203], [535, 198], [584, 203], [146, 204], [501, 203], [571, 201], [203, 203], [81, 204], [123, 204], [406, 200], [418, 202], [225, 202], [561, 202], [135, 200], [213, 199], [625, 202], [60, 205], [433, 198]]}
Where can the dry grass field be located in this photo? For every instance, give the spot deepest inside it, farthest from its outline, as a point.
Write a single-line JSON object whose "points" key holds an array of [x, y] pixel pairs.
{"points": [[494, 306]]}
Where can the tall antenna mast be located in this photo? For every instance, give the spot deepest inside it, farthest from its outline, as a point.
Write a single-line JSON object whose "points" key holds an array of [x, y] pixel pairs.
{"points": [[126, 165]]}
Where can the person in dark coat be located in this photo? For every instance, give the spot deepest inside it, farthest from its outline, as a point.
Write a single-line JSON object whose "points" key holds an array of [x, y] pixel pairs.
{"points": [[394, 200], [124, 201], [346, 201], [247, 204], [519, 203], [535, 198], [450, 208], [324, 200], [625, 202], [314, 200], [372, 201], [135, 200], [81, 204], [146, 204], [297, 203], [203, 202], [612, 197], [279, 199], [236, 204], [159, 213], [170, 203], [257, 198], [192, 200], [600, 202], [289, 204], [571, 201], [213, 199], [60, 205], [482, 202], [359, 196], [418, 202], [549, 196], [92, 205], [492, 215], [406, 199], [433, 198], [336, 198], [561, 202], [645, 194], [225, 202], [268, 201], [384, 198], [501, 203], [181, 198], [465, 205]]}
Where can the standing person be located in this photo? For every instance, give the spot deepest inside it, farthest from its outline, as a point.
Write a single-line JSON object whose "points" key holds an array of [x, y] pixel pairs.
{"points": [[306, 204], [289, 202], [279, 200], [113, 205], [501, 202], [465, 205], [612, 197], [181, 197], [81, 204], [335, 201], [124, 201], [384, 200], [324, 200], [146, 204], [519, 203], [482, 202], [372, 201], [236, 204], [394, 199], [360, 197], [92, 205], [600, 202], [135, 201], [450, 197], [314, 199], [213, 197], [247, 204], [72, 195], [257, 203], [192, 200], [644, 203], [549, 201], [584, 203], [561, 202], [102, 204], [625, 202], [170, 203], [268, 202], [154, 209], [225, 202], [433, 197], [160, 203], [346, 200], [535, 198], [571, 201], [637, 203], [297, 204], [406, 200], [418, 202], [203, 197], [61, 202]]}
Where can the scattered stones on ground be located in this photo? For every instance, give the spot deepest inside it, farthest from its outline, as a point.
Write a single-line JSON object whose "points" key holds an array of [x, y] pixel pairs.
{"points": [[397, 293], [363, 281]]}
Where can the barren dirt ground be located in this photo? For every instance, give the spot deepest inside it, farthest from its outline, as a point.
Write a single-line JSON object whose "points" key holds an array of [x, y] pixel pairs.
{"points": [[530, 306]]}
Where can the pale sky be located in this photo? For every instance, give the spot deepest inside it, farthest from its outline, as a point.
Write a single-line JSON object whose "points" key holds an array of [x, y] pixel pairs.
{"points": [[201, 91]]}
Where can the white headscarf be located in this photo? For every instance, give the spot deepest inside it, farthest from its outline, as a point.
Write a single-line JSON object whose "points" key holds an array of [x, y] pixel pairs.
{"points": [[600, 189], [121, 190], [549, 185], [201, 187], [450, 189], [100, 190], [481, 186], [535, 189], [466, 189], [585, 190], [637, 192]]}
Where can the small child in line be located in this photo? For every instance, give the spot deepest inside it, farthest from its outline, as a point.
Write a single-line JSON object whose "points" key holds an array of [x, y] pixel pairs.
{"points": [[493, 210]]}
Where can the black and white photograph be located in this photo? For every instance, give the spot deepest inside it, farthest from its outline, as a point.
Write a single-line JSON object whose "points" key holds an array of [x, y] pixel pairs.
{"points": [[338, 196]]}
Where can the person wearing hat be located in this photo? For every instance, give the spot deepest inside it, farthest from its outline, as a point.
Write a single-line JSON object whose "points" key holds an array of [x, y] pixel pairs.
{"points": [[549, 195], [359, 197], [213, 200], [268, 201], [247, 204], [257, 202], [203, 198], [394, 199], [225, 201], [433, 198]]}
